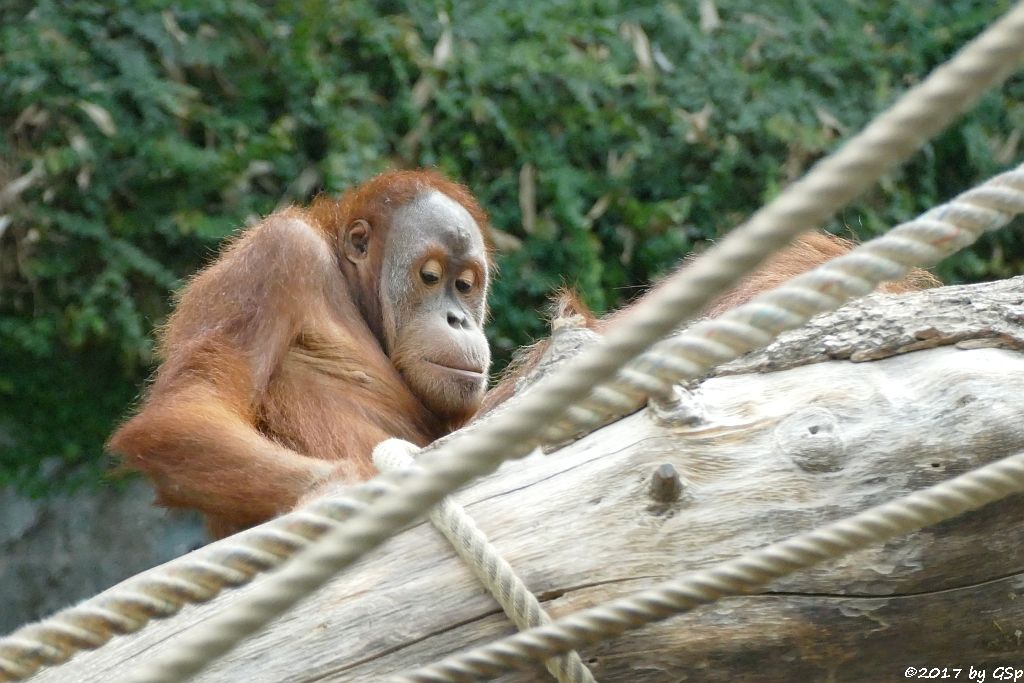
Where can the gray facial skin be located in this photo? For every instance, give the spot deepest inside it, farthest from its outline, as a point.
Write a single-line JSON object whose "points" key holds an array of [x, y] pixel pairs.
{"points": [[433, 290]]}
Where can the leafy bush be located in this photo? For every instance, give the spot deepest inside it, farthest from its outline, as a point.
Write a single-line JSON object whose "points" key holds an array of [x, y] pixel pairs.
{"points": [[606, 138]]}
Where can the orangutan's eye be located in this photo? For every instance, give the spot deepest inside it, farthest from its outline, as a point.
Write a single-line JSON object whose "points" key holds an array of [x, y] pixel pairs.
{"points": [[464, 283], [431, 272]]}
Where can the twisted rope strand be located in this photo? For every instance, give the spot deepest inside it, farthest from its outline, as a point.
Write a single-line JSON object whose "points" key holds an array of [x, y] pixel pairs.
{"points": [[745, 574], [892, 136], [195, 578], [476, 550]]}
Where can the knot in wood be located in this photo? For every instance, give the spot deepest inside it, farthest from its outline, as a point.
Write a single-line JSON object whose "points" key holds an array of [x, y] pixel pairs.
{"points": [[812, 439]]}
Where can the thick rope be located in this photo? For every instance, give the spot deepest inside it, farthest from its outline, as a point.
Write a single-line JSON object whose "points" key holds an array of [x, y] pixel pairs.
{"points": [[745, 574], [890, 138], [497, 575], [921, 112], [160, 593]]}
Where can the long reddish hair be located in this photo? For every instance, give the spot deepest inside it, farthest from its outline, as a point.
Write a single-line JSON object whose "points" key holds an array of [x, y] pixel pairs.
{"points": [[378, 198]]}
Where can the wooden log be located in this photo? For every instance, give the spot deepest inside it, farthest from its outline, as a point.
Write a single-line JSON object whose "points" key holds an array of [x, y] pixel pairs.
{"points": [[774, 453]]}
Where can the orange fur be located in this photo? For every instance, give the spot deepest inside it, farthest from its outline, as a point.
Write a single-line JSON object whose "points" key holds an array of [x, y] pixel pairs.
{"points": [[273, 380]]}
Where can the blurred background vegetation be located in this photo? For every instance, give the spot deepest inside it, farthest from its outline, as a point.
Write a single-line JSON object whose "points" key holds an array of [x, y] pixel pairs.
{"points": [[606, 138]]}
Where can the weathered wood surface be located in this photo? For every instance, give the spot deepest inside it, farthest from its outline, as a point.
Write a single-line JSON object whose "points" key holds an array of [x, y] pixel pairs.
{"points": [[776, 454]]}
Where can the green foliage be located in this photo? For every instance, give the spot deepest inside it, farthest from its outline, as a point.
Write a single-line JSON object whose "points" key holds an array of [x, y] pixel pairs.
{"points": [[137, 135]]}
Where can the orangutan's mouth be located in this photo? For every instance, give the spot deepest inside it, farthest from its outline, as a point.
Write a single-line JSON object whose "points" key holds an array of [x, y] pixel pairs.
{"points": [[464, 372]]}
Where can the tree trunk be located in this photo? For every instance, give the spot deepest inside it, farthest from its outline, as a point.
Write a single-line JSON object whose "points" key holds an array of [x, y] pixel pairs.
{"points": [[887, 396]]}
